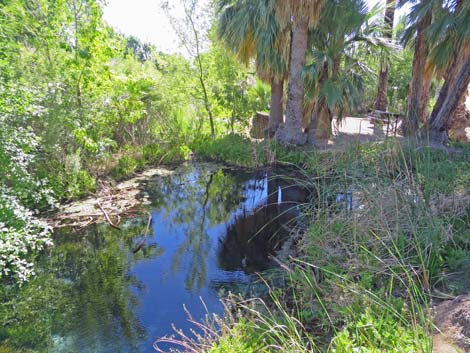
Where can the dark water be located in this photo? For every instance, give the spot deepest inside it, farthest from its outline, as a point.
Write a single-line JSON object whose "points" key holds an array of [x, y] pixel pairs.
{"points": [[212, 229]]}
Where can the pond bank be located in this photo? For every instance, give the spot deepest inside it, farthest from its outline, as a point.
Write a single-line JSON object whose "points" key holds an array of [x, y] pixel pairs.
{"points": [[367, 280], [362, 279], [109, 204]]}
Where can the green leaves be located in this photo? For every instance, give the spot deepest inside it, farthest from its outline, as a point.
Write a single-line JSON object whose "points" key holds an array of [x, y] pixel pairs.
{"points": [[21, 233], [331, 92]]}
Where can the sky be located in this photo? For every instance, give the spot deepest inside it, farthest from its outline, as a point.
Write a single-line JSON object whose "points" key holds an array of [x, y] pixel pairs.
{"points": [[146, 20]]}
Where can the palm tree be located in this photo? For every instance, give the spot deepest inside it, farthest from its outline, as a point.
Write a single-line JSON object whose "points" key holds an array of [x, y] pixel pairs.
{"points": [[452, 32], [442, 44], [300, 15], [335, 77], [381, 102], [420, 19], [250, 29]]}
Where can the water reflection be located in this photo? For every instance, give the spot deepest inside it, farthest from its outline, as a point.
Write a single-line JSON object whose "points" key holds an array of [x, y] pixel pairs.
{"points": [[211, 229], [81, 300]]}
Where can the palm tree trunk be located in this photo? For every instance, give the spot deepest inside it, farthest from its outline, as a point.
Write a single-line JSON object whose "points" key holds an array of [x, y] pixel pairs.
{"points": [[455, 88], [451, 74], [460, 121], [276, 113], [322, 116], [292, 132], [426, 92], [416, 87], [381, 102], [320, 125]]}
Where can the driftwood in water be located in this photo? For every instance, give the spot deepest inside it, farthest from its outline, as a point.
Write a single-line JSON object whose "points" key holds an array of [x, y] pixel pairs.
{"points": [[142, 242], [107, 217], [111, 203]]}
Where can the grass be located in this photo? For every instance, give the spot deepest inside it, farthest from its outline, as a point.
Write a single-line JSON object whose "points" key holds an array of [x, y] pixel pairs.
{"points": [[363, 280], [241, 151]]}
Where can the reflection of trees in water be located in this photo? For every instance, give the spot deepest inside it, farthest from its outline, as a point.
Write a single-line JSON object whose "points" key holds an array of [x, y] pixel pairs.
{"points": [[195, 203], [201, 199], [254, 236], [88, 289], [103, 298]]}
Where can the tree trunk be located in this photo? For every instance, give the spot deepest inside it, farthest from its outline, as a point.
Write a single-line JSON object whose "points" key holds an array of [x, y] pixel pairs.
{"points": [[198, 59], [292, 131], [320, 125], [456, 87], [381, 102], [322, 118], [451, 75], [276, 113], [426, 92], [459, 127], [416, 87], [308, 112]]}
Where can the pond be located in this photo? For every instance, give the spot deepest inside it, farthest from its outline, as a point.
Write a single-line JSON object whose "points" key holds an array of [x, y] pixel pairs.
{"points": [[106, 290]]}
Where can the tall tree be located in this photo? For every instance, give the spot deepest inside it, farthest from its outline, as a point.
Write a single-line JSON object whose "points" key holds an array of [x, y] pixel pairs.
{"points": [[335, 72], [381, 102], [251, 30], [452, 31], [193, 34], [421, 15], [300, 15]]}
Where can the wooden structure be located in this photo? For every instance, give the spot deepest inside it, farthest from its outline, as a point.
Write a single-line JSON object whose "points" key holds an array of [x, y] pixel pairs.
{"points": [[390, 120]]}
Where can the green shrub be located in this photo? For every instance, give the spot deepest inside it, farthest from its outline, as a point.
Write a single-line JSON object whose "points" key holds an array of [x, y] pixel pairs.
{"points": [[378, 330], [153, 153], [242, 339], [231, 149], [127, 166], [22, 234]]}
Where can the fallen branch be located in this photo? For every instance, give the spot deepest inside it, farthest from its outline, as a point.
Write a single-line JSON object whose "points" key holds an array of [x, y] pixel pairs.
{"points": [[107, 217], [89, 223], [142, 242], [67, 216]]}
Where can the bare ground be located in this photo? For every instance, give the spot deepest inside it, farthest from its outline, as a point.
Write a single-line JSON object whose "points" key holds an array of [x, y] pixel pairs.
{"points": [[359, 130], [453, 326]]}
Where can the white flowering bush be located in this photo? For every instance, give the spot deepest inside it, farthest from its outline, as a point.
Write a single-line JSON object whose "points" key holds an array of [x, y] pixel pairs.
{"points": [[21, 237], [22, 234]]}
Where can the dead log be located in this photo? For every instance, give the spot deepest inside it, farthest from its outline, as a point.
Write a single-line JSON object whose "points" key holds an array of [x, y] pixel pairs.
{"points": [[107, 217]]}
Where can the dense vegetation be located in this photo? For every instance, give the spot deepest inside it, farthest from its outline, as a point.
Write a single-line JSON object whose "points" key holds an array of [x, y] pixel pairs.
{"points": [[80, 103]]}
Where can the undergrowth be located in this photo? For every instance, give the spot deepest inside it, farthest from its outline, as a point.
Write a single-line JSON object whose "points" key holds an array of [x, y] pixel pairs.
{"points": [[242, 151]]}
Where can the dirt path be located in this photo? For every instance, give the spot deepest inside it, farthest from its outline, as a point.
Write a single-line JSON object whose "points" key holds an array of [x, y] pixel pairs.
{"points": [[351, 130]]}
